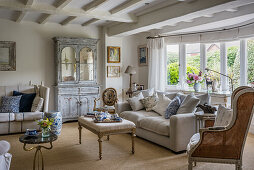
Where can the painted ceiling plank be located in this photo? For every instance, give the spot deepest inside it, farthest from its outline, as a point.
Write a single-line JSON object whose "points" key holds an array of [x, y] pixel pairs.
{"points": [[168, 15], [49, 9], [94, 4], [90, 22], [21, 16], [61, 3], [68, 20], [29, 2], [44, 18], [127, 5]]}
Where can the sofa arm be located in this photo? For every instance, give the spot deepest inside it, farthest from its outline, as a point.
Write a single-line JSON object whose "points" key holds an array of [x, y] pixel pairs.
{"points": [[182, 128], [122, 106], [44, 93]]}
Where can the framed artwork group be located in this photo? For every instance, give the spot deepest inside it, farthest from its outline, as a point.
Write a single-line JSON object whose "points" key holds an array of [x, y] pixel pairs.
{"points": [[142, 55]]}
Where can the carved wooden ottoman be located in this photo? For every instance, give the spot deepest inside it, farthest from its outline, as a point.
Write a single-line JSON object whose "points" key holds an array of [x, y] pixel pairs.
{"points": [[106, 129]]}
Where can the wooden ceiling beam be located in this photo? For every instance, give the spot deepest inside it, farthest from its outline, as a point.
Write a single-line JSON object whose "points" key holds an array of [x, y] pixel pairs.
{"points": [[90, 22], [127, 5], [49, 9], [94, 4], [60, 4], [44, 18], [68, 20], [22, 14]]}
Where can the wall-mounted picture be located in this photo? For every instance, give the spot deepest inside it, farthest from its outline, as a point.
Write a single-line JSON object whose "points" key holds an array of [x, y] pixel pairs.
{"points": [[7, 56], [114, 54], [113, 71], [142, 55]]}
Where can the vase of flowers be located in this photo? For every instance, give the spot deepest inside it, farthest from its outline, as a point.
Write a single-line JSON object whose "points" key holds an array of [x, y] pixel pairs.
{"points": [[195, 80], [45, 126]]}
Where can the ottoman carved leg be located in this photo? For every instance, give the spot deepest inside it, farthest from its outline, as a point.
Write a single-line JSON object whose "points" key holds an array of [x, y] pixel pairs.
{"points": [[79, 128], [100, 147], [132, 140], [108, 137]]}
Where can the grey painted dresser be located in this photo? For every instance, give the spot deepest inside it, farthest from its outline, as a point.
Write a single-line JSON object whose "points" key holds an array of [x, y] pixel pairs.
{"points": [[76, 85]]}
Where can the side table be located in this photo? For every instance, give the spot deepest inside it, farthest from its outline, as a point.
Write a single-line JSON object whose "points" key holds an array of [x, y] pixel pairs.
{"points": [[37, 140], [201, 118]]}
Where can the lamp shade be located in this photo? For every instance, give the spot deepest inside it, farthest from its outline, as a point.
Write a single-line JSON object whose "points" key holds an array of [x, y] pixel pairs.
{"points": [[130, 70]]}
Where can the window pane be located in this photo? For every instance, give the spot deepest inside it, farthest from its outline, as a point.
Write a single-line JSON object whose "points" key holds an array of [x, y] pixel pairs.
{"points": [[193, 59], [213, 60], [250, 48], [233, 62], [172, 64]]}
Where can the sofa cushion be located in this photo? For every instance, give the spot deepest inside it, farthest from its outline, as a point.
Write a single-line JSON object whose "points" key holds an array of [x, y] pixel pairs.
{"points": [[188, 105], [158, 125], [10, 104], [181, 96], [135, 102], [37, 104], [162, 105], [172, 107], [28, 116], [224, 116], [145, 93], [171, 96], [136, 116], [6, 117], [26, 101], [149, 102], [203, 99]]}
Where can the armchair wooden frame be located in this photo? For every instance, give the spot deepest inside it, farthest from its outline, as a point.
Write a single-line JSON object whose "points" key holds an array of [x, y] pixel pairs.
{"points": [[218, 145]]}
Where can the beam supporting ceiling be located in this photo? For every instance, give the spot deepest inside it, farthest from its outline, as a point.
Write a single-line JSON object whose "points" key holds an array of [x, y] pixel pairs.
{"points": [[68, 20], [59, 4], [244, 11], [171, 15], [23, 13], [90, 22], [49, 9], [126, 5], [94, 4]]}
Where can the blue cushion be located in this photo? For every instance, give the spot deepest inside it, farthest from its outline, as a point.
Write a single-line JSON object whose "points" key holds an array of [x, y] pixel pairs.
{"points": [[10, 104], [173, 107], [26, 101]]}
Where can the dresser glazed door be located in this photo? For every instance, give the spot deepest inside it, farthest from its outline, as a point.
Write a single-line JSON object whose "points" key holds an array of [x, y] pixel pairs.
{"points": [[69, 106]]}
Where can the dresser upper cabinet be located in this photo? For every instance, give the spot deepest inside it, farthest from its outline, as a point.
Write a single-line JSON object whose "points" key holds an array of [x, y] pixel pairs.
{"points": [[76, 87], [76, 60]]}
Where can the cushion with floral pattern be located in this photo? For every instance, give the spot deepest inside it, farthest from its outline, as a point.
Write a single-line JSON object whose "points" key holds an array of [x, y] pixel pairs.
{"points": [[10, 104]]}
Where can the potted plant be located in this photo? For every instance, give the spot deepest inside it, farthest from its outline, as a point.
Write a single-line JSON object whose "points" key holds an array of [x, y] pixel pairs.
{"points": [[196, 80], [45, 126]]}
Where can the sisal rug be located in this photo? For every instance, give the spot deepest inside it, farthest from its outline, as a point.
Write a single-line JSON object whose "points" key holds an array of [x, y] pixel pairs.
{"points": [[67, 154]]}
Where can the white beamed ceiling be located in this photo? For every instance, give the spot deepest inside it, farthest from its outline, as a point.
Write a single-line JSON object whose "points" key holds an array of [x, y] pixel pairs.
{"points": [[127, 17]]}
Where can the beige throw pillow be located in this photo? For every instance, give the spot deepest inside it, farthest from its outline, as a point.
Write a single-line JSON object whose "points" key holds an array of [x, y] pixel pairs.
{"points": [[37, 104], [188, 105], [224, 116], [149, 102], [135, 102], [162, 105]]}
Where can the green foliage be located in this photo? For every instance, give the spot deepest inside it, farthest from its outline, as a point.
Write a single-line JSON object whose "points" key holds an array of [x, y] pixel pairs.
{"points": [[173, 73], [232, 52], [250, 61]]}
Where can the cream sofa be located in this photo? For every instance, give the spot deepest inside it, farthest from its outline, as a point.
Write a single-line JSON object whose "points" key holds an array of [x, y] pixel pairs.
{"points": [[173, 133], [19, 122]]}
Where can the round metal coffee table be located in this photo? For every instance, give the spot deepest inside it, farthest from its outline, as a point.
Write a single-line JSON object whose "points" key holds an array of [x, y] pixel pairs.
{"points": [[38, 140]]}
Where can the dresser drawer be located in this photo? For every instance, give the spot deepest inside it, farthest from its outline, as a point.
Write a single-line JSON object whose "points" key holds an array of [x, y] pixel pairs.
{"points": [[68, 90], [89, 90]]}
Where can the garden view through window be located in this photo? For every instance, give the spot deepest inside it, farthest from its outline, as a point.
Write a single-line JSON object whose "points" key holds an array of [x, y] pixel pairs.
{"points": [[250, 52], [172, 64], [192, 59]]}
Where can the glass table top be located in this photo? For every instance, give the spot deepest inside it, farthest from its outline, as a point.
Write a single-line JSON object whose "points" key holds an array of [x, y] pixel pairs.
{"points": [[37, 139]]}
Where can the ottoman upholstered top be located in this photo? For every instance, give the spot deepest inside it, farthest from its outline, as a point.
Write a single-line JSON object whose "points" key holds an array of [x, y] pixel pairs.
{"points": [[105, 127]]}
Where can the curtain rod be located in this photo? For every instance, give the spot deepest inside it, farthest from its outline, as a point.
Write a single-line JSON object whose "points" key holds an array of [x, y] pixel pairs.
{"points": [[225, 29]]}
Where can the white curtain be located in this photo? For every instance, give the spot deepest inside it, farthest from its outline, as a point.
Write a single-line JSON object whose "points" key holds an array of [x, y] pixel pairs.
{"points": [[157, 64]]}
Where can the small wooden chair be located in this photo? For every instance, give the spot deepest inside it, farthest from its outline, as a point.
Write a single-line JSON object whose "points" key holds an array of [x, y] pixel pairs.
{"points": [[226, 144], [109, 98]]}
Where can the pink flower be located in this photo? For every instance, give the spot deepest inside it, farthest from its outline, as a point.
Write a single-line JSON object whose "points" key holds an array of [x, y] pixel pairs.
{"points": [[195, 77], [190, 75], [188, 81], [200, 79]]}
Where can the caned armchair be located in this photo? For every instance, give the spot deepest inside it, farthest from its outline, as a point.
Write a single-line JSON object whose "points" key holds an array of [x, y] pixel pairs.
{"points": [[109, 98], [226, 144]]}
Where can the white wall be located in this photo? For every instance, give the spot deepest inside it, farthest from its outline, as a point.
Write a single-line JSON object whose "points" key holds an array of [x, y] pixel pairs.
{"points": [[35, 51]]}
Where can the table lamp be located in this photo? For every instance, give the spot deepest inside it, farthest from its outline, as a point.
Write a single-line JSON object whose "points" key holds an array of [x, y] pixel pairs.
{"points": [[130, 70]]}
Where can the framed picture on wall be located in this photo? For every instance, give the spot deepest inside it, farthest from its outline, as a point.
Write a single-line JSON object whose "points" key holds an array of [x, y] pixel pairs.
{"points": [[7, 56], [114, 54], [142, 55], [113, 71]]}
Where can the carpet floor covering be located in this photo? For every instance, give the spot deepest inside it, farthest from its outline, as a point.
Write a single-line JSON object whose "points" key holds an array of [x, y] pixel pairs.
{"points": [[68, 154]]}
